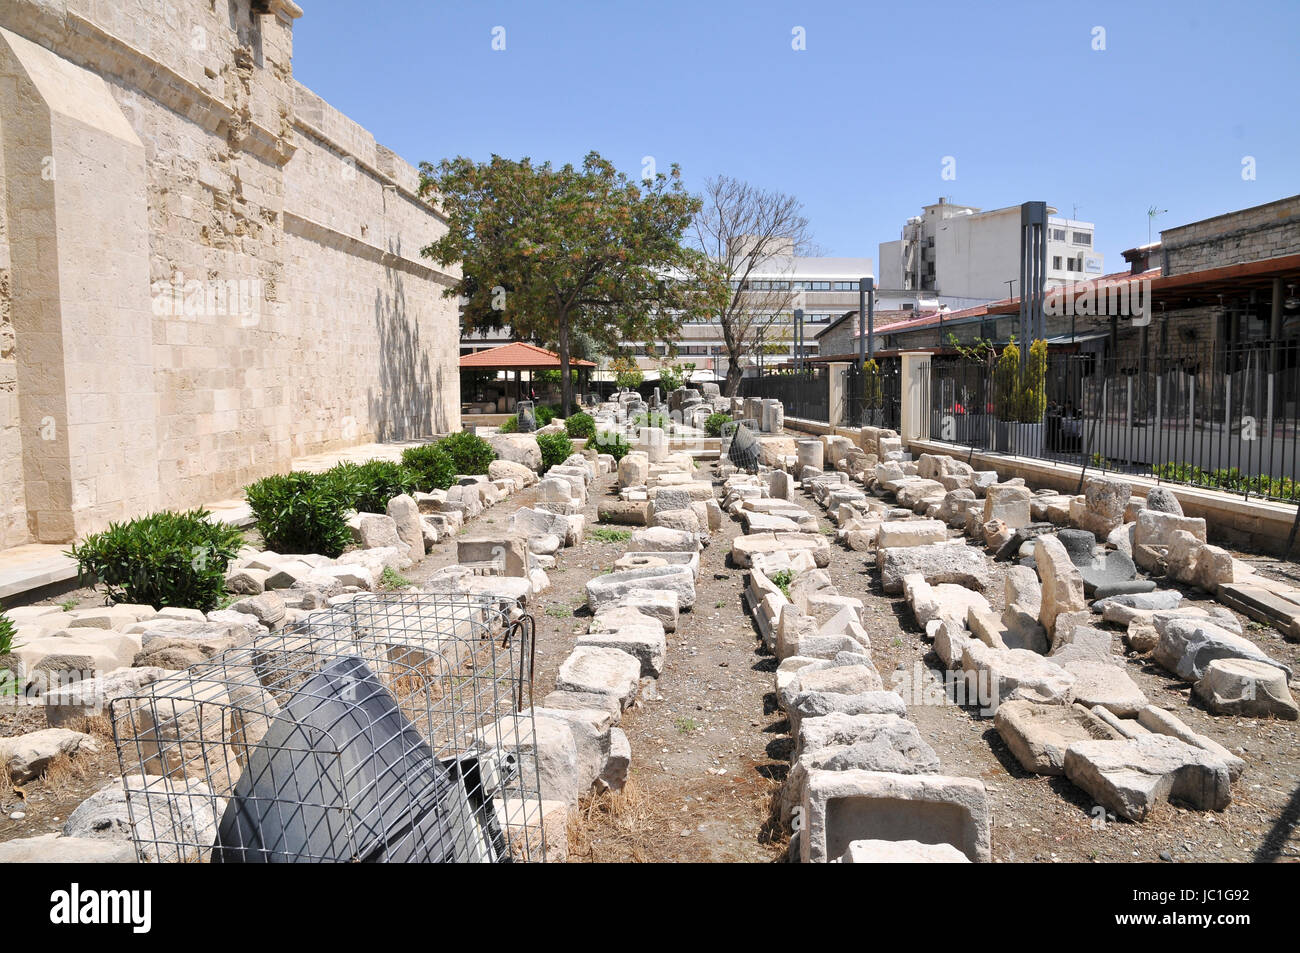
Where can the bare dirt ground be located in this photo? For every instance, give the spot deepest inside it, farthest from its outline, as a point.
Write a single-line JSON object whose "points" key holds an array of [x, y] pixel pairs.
{"points": [[706, 756]]}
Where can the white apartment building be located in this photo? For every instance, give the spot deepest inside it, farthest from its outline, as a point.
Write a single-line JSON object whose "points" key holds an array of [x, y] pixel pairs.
{"points": [[825, 288], [960, 251]]}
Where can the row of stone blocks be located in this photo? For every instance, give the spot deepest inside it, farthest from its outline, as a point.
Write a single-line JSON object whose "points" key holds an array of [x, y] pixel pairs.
{"points": [[863, 785]]}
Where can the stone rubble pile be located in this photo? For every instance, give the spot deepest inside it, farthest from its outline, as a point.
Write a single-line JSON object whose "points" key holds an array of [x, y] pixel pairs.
{"points": [[1053, 678]]}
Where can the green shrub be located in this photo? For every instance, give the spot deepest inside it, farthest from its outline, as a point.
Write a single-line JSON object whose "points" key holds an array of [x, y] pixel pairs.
{"points": [[433, 467], [470, 454], [713, 426], [372, 484], [8, 680], [303, 512], [1231, 480], [609, 534], [581, 426], [872, 393], [543, 414], [1006, 383], [607, 441], [555, 447], [7, 631], [164, 559]]}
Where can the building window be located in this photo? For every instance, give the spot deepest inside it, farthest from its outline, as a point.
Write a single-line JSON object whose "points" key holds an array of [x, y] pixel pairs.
{"points": [[1058, 234], [846, 286], [1083, 238], [1056, 262]]}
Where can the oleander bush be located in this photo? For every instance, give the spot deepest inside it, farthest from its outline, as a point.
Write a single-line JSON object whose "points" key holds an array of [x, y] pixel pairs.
{"points": [[555, 448], [470, 454], [164, 559], [303, 512], [581, 426], [372, 484], [433, 467]]}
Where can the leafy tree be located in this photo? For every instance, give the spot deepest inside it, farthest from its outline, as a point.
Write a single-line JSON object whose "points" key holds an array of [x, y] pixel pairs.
{"points": [[626, 372], [1033, 384], [1006, 383], [553, 251]]}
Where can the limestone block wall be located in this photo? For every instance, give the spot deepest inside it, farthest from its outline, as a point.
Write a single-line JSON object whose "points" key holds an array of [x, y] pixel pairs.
{"points": [[205, 270], [13, 497], [1265, 231]]}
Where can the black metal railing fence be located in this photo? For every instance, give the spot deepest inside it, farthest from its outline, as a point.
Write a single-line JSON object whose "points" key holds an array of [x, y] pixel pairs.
{"points": [[1225, 418]]}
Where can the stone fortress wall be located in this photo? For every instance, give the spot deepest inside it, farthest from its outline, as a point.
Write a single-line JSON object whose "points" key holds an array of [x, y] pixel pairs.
{"points": [[205, 269]]}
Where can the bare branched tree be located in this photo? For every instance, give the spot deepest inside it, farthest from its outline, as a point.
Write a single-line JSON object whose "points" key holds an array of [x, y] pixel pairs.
{"points": [[744, 231]]}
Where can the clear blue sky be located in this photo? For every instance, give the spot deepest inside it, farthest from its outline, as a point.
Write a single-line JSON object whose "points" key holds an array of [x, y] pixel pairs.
{"points": [[856, 125]]}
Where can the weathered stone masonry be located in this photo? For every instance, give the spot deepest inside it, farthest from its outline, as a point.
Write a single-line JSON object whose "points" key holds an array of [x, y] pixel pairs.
{"points": [[205, 270]]}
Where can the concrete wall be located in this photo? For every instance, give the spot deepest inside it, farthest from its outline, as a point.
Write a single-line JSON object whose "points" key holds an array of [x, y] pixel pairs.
{"points": [[205, 270]]}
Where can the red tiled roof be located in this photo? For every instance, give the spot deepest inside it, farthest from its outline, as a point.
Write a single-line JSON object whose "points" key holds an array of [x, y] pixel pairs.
{"points": [[518, 357]]}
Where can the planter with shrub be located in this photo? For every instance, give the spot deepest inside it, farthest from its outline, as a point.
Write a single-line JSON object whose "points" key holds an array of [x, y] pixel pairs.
{"points": [[164, 559]]}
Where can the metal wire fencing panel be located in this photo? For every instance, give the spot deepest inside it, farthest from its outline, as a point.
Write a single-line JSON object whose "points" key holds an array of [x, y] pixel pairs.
{"points": [[394, 728], [805, 394], [1224, 418]]}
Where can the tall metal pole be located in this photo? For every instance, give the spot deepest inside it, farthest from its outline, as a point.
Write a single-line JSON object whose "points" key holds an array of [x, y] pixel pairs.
{"points": [[798, 339], [862, 321], [871, 317]]}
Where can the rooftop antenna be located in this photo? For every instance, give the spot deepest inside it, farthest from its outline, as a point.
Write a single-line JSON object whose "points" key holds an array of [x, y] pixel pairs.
{"points": [[1075, 216], [1152, 212]]}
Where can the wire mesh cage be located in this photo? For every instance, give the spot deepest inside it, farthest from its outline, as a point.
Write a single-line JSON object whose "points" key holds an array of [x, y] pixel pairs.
{"points": [[740, 443], [393, 728]]}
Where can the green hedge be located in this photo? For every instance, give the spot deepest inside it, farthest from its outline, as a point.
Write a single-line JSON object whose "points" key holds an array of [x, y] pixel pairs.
{"points": [[581, 426], [433, 467], [164, 559], [470, 454], [555, 448], [370, 485], [302, 512]]}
